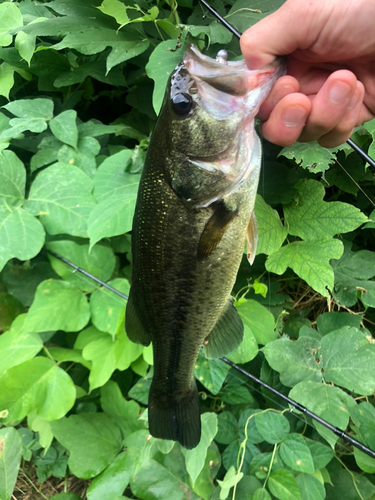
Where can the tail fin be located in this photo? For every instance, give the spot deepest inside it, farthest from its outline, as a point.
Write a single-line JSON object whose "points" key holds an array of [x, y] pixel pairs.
{"points": [[177, 420]]}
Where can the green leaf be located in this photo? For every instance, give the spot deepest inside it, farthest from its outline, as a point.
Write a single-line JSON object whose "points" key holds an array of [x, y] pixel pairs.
{"points": [[6, 79], [25, 44], [248, 348], [227, 428], [230, 479], [234, 394], [37, 424], [296, 454], [18, 345], [348, 360], [330, 403], [112, 481], [203, 486], [11, 17], [64, 127], [210, 372], [347, 484], [311, 218], [116, 192], [61, 196], [107, 308], [10, 308], [93, 440], [283, 485], [21, 235], [58, 305], [196, 457], [310, 487], [363, 415], [261, 494], [140, 390], [216, 33], [10, 459], [31, 108], [83, 157], [12, 180], [272, 426], [294, 360], [330, 321], [271, 232], [364, 462], [101, 353], [309, 260], [28, 386], [259, 320], [100, 262], [162, 62], [115, 9], [310, 155]]}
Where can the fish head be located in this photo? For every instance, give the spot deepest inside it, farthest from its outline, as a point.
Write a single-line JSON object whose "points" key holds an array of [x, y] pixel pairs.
{"points": [[209, 112]]}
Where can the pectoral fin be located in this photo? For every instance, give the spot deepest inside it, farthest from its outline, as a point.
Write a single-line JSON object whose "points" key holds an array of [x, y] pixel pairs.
{"points": [[252, 238], [226, 335], [215, 229], [133, 327]]}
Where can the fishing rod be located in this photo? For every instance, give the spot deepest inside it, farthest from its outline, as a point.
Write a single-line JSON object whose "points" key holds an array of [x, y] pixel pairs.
{"points": [[338, 432], [237, 34]]}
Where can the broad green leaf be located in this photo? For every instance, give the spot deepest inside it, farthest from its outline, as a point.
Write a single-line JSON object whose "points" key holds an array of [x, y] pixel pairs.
{"points": [[259, 320], [273, 427], [327, 401], [348, 360], [31, 108], [101, 353], [64, 127], [10, 459], [310, 155], [25, 44], [36, 384], [61, 196], [18, 345], [363, 415], [231, 478], [364, 461], [203, 485], [347, 485], [310, 487], [125, 412], [58, 305], [248, 348], [116, 192], [92, 69], [263, 462], [294, 360], [62, 354], [10, 308], [93, 440], [330, 321], [100, 262], [140, 390], [261, 494], [296, 454], [227, 429], [115, 9], [12, 180], [107, 308], [271, 232], [234, 394], [244, 13], [126, 352], [235, 450], [196, 457], [21, 235], [215, 32], [320, 453], [283, 485], [20, 125], [47, 153], [210, 372], [162, 62], [83, 156], [309, 260], [112, 481], [6, 78], [11, 17], [37, 424], [311, 218], [247, 422]]}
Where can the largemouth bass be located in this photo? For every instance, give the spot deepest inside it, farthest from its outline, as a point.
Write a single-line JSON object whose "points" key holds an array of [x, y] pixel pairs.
{"points": [[194, 210]]}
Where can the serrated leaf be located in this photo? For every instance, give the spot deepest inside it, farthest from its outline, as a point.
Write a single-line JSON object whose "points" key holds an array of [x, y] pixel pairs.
{"points": [[64, 127], [330, 403], [310, 155], [12, 180], [61, 196], [271, 232], [58, 305], [37, 384], [296, 454], [258, 319], [21, 235], [311, 218], [295, 361], [283, 485], [93, 440], [11, 17], [348, 360], [196, 457], [100, 262], [107, 307], [10, 459], [116, 192], [210, 372], [272, 426], [309, 260]]}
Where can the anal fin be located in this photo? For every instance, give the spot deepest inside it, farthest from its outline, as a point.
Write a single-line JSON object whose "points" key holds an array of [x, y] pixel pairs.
{"points": [[252, 238], [226, 335], [133, 326]]}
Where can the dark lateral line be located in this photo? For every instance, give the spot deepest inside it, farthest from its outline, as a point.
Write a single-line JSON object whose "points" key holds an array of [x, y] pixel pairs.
{"points": [[294, 404], [237, 34]]}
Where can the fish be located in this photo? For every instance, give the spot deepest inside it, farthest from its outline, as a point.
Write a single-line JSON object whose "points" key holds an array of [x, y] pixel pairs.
{"points": [[194, 211]]}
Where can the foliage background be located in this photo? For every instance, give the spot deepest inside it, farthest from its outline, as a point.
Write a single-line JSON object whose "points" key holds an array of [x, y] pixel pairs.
{"points": [[81, 83]]}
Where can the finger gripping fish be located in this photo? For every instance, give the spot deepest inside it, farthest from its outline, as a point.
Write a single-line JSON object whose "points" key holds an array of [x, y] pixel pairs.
{"points": [[194, 211]]}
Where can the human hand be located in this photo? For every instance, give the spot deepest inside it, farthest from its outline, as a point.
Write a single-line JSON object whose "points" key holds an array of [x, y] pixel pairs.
{"points": [[330, 83]]}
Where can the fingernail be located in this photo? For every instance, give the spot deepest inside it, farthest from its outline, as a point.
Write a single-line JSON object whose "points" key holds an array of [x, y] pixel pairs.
{"points": [[294, 116], [339, 92], [353, 101]]}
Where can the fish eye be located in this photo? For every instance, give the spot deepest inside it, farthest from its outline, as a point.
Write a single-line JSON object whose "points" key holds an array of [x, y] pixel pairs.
{"points": [[182, 103]]}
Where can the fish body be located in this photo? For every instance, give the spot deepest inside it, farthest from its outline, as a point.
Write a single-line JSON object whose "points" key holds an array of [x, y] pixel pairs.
{"points": [[194, 210]]}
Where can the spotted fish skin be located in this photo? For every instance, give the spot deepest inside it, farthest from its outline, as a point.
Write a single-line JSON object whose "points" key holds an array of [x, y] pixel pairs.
{"points": [[194, 211]]}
